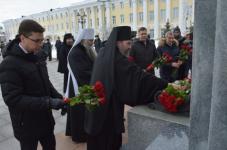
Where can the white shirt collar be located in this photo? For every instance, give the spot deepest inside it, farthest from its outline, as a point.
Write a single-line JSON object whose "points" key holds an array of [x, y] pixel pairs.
{"points": [[23, 49]]}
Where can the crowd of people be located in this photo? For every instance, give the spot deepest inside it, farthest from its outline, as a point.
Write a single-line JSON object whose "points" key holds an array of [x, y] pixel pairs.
{"points": [[30, 96]]}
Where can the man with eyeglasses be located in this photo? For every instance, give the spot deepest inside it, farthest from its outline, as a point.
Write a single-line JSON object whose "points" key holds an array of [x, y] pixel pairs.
{"points": [[27, 90]]}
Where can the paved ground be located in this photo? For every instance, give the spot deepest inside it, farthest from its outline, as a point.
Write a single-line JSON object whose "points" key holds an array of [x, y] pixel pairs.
{"points": [[7, 140]]}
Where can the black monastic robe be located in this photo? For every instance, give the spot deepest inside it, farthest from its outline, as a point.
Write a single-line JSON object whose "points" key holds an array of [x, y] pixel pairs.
{"points": [[81, 66], [131, 86]]}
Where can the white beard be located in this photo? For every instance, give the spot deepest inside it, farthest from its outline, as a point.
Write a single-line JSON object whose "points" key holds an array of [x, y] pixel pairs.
{"points": [[90, 51]]}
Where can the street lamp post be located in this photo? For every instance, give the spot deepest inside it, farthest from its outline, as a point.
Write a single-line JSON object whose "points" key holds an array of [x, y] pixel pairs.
{"points": [[82, 18]]}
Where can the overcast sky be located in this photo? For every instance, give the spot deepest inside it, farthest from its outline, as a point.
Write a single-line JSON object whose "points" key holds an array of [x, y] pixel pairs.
{"points": [[10, 9]]}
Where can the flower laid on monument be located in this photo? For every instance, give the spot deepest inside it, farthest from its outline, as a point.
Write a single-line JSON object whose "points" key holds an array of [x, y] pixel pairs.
{"points": [[185, 52], [173, 98], [164, 59], [91, 96]]}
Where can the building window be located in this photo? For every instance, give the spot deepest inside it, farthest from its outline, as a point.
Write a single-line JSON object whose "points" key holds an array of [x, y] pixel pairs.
{"points": [[140, 16], [175, 13], [61, 15], [140, 2], [57, 28], [131, 17], [113, 6], [67, 25], [151, 15], [164, 1], [151, 1], [62, 26], [66, 14], [97, 10], [151, 33], [162, 32], [98, 21], [114, 19], [130, 3], [56, 16], [52, 18], [163, 15], [90, 22], [122, 18], [122, 4]]}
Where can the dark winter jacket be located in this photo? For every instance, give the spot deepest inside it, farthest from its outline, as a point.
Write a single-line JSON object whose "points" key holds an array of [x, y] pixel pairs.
{"points": [[168, 72], [143, 54], [64, 51], [26, 89]]}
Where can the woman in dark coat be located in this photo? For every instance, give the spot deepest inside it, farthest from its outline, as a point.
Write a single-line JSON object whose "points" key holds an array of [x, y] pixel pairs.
{"points": [[64, 51]]}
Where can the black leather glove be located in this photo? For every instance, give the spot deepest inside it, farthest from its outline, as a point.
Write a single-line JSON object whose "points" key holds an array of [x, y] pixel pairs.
{"points": [[56, 103], [64, 110]]}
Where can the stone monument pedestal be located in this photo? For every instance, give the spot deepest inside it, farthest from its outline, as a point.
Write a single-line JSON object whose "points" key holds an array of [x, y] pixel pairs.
{"points": [[154, 130]]}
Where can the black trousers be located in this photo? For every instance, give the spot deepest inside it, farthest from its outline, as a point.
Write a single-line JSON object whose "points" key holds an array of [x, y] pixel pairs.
{"points": [[47, 142]]}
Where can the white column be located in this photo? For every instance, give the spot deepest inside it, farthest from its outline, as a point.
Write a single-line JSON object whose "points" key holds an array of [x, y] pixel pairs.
{"points": [[78, 20], [93, 17], [108, 16], [193, 10], [145, 13], [134, 7], [156, 19], [182, 15], [74, 23], [168, 10], [100, 18], [86, 18]]}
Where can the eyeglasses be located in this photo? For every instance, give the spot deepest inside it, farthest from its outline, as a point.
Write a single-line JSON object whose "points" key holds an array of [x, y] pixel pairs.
{"points": [[36, 41]]}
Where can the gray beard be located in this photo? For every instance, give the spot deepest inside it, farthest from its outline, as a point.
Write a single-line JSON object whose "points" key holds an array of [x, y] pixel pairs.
{"points": [[90, 52]]}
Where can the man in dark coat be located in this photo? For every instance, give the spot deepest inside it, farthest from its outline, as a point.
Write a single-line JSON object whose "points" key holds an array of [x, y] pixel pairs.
{"points": [[169, 71], [27, 90], [47, 47], [80, 59], [182, 71], [58, 45], [124, 83], [97, 43], [143, 50], [64, 51]]}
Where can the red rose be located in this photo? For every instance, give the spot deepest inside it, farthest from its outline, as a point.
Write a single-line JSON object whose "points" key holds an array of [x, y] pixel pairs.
{"points": [[100, 94], [150, 67], [98, 86], [102, 101], [168, 57], [66, 100], [179, 101], [131, 59], [184, 46]]}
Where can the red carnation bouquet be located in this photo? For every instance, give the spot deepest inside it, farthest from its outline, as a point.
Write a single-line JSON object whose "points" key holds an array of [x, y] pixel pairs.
{"points": [[185, 52], [164, 59], [173, 99], [90, 96]]}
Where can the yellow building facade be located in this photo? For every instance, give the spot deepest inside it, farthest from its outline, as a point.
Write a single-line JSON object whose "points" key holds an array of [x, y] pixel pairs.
{"points": [[103, 15]]}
